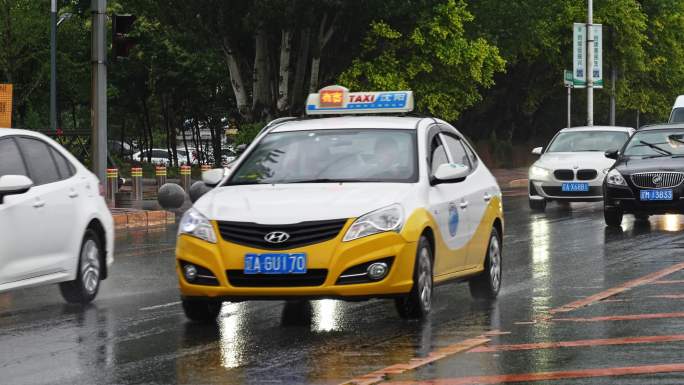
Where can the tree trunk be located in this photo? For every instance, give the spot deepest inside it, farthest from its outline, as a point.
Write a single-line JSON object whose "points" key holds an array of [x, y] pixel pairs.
{"points": [[261, 93], [324, 35], [296, 101], [237, 80], [284, 72]]}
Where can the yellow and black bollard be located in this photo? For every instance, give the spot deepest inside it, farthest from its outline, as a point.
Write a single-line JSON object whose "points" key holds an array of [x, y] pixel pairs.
{"points": [[112, 186], [137, 183], [160, 173], [185, 181]]}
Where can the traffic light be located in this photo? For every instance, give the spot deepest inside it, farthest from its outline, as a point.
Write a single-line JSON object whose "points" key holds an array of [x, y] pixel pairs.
{"points": [[121, 41]]}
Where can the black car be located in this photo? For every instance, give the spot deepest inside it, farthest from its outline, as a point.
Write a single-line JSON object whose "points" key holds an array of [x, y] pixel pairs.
{"points": [[647, 176]]}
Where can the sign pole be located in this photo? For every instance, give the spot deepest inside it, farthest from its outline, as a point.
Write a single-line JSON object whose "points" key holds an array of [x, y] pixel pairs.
{"points": [[590, 64], [53, 66], [569, 106], [99, 91]]}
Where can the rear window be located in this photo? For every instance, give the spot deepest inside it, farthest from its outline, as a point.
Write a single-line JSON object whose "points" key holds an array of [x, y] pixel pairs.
{"points": [[677, 115]]}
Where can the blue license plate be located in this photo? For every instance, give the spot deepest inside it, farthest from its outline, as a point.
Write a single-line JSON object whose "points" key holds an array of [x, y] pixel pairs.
{"points": [[656, 195], [275, 263], [575, 187]]}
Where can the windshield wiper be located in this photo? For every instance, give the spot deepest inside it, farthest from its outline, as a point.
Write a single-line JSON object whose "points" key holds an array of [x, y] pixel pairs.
{"points": [[657, 148], [656, 156], [320, 180]]}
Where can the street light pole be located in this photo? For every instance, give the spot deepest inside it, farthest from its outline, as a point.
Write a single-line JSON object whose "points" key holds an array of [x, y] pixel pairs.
{"points": [[53, 66], [590, 64], [99, 90]]}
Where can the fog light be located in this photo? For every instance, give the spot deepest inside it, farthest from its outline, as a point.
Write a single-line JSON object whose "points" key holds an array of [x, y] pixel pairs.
{"points": [[377, 271], [190, 272]]}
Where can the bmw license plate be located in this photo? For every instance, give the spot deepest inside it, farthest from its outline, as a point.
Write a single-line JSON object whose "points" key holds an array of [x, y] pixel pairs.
{"points": [[656, 195], [575, 187], [275, 263]]}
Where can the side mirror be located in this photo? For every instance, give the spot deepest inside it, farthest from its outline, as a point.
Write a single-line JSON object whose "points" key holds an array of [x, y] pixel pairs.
{"points": [[537, 150], [14, 185], [451, 172], [171, 196], [213, 177], [612, 154]]}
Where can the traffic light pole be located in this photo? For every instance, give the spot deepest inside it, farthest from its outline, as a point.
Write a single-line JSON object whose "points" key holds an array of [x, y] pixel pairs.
{"points": [[99, 90], [53, 66]]}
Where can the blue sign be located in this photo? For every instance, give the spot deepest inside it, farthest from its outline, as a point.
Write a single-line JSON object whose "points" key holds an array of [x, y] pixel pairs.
{"points": [[453, 220]]}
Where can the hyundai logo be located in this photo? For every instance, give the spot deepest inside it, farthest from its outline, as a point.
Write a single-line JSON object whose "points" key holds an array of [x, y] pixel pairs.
{"points": [[657, 179], [277, 237]]}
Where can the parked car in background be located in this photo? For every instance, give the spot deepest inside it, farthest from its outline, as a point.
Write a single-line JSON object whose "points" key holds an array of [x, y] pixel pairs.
{"points": [[160, 156], [54, 224], [677, 114]]}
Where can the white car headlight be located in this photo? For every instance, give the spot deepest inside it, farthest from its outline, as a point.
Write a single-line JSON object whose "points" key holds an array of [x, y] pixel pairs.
{"points": [[390, 218], [197, 225], [537, 172], [615, 178]]}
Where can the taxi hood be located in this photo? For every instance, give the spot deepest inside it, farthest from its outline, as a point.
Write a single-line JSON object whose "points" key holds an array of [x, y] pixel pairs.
{"points": [[588, 159], [293, 203]]}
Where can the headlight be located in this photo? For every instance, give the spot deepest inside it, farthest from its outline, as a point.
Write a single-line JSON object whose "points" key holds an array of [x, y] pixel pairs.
{"points": [[197, 225], [537, 172], [390, 218], [615, 178]]}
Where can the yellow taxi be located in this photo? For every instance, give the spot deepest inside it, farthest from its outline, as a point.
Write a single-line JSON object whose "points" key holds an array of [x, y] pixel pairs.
{"points": [[355, 205]]}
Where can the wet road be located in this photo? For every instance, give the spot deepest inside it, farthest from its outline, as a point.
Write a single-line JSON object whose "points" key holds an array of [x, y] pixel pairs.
{"points": [[579, 304]]}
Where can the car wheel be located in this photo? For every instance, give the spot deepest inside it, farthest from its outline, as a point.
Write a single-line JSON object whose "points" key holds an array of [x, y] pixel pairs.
{"points": [[538, 204], [418, 302], [201, 310], [613, 216], [84, 288], [488, 284]]}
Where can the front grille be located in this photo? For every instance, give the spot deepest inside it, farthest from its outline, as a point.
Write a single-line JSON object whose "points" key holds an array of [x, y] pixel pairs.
{"points": [[662, 179], [587, 174], [557, 191], [300, 234], [313, 277], [564, 174]]}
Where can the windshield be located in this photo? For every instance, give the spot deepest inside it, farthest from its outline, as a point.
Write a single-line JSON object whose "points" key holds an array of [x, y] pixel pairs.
{"points": [[677, 115], [364, 155], [575, 141], [656, 143]]}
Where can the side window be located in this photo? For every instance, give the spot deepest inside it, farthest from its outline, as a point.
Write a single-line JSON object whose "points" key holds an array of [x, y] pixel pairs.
{"points": [[41, 166], [66, 169], [11, 162], [456, 150], [471, 154], [438, 154]]}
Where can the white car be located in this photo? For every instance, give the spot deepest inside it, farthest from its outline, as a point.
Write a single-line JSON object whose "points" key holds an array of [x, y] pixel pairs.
{"points": [[344, 207], [160, 156], [573, 166], [54, 224]]}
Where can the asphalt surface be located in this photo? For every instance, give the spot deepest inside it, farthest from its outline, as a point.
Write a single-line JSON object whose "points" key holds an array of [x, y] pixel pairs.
{"points": [[580, 304]]}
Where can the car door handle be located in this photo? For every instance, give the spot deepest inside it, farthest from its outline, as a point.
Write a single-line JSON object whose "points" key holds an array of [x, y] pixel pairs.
{"points": [[73, 194], [38, 203], [464, 204], [487, 197]]}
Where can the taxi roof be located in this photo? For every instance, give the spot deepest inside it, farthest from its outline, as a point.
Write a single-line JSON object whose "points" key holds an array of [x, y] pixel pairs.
{"points": [[598, 128], [349, 122]]}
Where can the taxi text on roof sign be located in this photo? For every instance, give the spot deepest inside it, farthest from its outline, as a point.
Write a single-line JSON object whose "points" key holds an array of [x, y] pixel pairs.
{"points": [[336, 100]]}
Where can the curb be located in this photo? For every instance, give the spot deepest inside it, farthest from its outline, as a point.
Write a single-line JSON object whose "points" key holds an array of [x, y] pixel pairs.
{"points": [[518, 183], [125, 219]]}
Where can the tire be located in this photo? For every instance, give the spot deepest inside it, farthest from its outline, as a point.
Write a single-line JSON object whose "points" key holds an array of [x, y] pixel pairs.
{"points": [[613, 216], [84, 288], [538, 204], [488, 284], [201, 310], [417, 304]]}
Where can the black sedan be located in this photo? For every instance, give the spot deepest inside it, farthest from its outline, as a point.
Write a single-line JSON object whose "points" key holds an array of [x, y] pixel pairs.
{"points": [[647, 178]]}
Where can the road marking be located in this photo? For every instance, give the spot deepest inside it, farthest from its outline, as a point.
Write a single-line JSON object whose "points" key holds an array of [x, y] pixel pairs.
{"points": [[618, 289], [160, 306], [380, 375], [628, 317], [550, 376], [580, 343], [665, 282]]}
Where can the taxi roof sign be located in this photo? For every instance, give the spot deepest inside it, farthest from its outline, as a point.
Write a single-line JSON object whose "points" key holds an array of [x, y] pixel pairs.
{"points": [[337, 100]]}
